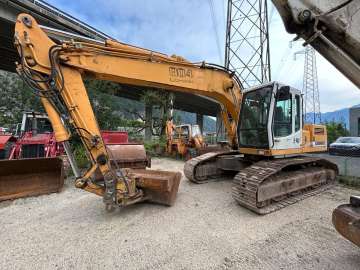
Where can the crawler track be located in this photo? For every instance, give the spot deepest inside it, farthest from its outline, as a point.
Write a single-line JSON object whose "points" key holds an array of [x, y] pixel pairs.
{"points": [[315, 174], [202, 169]]}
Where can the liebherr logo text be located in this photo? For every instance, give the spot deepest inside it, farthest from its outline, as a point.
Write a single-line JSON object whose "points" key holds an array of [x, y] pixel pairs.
{"points": [[180, 74]]}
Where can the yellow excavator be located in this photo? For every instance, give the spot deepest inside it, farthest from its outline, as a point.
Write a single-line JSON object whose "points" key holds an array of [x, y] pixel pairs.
{"points": [[53, 64], [187, 141], [266, 121], [264, 124]]}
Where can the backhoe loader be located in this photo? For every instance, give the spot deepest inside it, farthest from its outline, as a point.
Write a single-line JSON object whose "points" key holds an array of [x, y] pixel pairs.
{"points": [[333, 29], [187, 141], [268, 131]]}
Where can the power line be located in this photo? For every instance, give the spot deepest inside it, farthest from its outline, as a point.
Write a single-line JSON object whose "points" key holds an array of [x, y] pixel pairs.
{"points": [[215, 28]]}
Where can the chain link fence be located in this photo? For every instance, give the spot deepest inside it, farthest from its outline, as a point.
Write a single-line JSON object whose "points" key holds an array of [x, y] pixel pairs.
{"points": [[349, 168]]}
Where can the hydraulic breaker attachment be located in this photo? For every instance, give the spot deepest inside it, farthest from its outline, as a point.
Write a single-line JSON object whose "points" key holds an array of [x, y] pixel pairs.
{"points": [[346, 219], [30, 177]]}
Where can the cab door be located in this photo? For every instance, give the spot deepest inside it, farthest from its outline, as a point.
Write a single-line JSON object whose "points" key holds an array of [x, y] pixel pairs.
{"points": [[286, 128], [297, 116]]}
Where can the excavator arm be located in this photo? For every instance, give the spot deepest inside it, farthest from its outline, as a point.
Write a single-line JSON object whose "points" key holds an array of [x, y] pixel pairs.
{"points": [[55, 71], [332, 28]]}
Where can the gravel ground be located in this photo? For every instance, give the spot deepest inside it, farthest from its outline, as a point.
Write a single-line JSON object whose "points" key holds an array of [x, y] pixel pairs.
{"points": [[205, 229]]}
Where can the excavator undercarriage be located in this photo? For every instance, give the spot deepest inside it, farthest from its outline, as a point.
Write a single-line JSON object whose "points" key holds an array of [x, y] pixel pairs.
{"points": [[267, 185]]}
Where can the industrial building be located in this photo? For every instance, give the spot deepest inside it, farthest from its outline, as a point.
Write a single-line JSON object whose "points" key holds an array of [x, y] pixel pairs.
{"points": [[354, 120]]}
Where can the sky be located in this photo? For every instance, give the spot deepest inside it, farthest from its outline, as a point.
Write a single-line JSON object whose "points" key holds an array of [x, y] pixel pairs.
{"points": [[186, 28]]}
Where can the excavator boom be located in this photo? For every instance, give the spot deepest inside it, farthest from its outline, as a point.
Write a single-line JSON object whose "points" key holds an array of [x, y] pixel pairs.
{"points": [[55, 69]]}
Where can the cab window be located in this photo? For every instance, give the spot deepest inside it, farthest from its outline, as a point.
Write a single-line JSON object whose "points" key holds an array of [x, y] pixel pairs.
{"points": [[297, 112], [283, 115]]}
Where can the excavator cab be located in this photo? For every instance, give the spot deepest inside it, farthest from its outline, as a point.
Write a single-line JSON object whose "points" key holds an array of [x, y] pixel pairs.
{"points": [[272, 113]]}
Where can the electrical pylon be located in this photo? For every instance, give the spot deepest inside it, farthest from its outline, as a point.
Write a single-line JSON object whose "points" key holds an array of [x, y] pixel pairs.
{"points": [[247, 49], [312, 113]]}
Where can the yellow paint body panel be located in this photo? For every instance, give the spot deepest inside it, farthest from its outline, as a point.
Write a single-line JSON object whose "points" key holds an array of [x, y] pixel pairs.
{"points": [[314, 139]]}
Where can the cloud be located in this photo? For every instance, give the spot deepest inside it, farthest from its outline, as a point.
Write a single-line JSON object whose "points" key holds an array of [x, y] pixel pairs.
{"points": [[173, 27], [336, 91], [185, 28]]}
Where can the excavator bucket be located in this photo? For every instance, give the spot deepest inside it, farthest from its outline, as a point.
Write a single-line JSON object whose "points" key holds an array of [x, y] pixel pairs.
{"points": [[122, 153], [159, 186], [30, 177], [346, 219], [128, 155]]}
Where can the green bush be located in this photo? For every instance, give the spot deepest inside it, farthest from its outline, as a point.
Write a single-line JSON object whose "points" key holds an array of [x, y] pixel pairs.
{"points": [[155, 147], [336, 130], [80, 157]]}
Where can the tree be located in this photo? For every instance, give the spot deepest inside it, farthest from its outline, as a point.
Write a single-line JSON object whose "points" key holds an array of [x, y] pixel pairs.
{"points": [[15, 98], [336, 130], [161, 103]]}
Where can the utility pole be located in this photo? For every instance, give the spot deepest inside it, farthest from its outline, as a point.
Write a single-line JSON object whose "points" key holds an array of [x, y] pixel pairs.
{"points": [[247, 50], [310, 90]]}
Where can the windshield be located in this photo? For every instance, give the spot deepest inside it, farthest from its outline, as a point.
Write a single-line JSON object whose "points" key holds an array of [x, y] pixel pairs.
{"points": [[254, 118], [195, 130], [348, 140], [42, 124]]}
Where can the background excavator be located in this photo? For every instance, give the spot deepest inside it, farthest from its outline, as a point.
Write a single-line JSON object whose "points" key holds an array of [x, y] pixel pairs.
{"points": [[185, 140], [333, 29], [55, 69], [188, 141]]}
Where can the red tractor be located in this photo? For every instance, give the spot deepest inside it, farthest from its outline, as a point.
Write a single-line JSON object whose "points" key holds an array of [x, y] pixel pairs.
{"points": [[33, 151], [28, 154], [6, 142], [35, 138]]}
